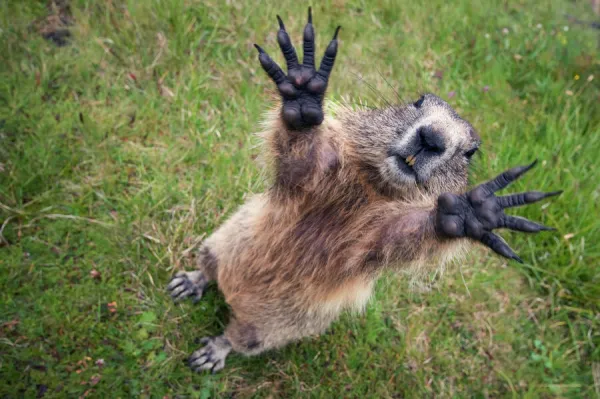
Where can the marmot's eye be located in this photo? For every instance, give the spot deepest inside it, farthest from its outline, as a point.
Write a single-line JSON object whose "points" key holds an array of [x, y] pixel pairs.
{"points": [[419, 102], [470, 153]]}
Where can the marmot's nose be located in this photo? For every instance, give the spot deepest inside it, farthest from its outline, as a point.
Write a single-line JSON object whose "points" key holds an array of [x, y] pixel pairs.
{"points": [[431, 139]]}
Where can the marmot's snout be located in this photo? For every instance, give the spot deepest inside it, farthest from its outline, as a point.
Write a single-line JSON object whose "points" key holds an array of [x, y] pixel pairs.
{"points": [[431, 140], [420, 153], [432, 144]]}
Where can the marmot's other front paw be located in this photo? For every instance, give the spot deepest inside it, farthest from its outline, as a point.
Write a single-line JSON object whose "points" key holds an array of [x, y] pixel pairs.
{"points": [[476, 213], [303, 89]]}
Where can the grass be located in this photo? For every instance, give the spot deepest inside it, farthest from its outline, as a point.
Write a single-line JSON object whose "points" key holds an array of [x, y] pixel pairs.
{"points": [[120, 151]]}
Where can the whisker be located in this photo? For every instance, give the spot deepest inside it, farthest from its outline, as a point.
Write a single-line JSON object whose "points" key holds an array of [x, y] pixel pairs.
{"points": [[373, 89], [391, 86]]}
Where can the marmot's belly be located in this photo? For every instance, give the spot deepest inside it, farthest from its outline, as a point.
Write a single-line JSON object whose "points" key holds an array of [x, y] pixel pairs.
{"points": [[279, 280]]}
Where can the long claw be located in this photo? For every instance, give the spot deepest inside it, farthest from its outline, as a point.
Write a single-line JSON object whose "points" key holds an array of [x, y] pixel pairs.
{"points": [[281, 25], [509, 201], [521, 224], [286, 46], [309, 43], [178, 290], [499, 246], [216, 367], [184, 294], [260, 50], [507, 177], [270, 66], [329, 57], [337, 30], [175, 282]]}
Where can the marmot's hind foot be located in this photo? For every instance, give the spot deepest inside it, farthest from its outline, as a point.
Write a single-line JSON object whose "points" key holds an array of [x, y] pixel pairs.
{"points": [[212, 355], [187, 284]]}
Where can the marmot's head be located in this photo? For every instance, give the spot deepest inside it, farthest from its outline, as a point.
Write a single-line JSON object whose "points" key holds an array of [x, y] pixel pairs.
{"points": [[424, 144]]}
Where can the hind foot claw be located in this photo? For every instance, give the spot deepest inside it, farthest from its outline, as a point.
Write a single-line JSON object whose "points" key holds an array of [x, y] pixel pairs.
{"points": [[187, 284], [211, 356]]}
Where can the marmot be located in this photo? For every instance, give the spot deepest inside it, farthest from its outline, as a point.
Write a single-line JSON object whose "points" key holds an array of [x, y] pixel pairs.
{"points": [[352, 195]]}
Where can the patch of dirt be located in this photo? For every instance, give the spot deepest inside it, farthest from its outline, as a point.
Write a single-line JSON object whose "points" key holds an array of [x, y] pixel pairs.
{"points": [[55, 26]]}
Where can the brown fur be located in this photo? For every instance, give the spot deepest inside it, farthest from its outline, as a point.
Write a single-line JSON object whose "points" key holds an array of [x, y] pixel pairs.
{"points": [[292, 258]]}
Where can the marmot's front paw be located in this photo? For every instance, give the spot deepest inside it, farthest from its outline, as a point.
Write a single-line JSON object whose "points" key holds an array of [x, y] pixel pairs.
{"points": [[303, 89], [478, 212]]}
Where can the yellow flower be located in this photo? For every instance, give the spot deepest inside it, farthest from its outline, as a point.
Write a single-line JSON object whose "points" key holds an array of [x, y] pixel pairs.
{"points": [[576, 77]]}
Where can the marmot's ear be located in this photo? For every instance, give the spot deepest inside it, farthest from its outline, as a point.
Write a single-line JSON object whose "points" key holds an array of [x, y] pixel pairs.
{"points": [[419, 102]]}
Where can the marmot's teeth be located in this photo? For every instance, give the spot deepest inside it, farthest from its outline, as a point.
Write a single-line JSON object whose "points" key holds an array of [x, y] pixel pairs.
{"points": [[411, 160]]}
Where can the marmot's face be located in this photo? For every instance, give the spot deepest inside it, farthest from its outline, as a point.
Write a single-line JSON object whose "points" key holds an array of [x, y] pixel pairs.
{"points": [[425, 144]]}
